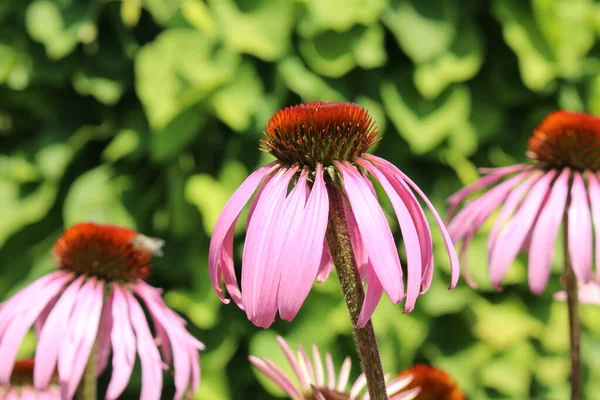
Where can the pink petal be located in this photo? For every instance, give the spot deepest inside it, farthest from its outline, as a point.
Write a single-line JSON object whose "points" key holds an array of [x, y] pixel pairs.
{"points": [[289, 355], [544, 233], [344, 374], [358, 248], [320, 375], [303, 250], [90, 321], [358, 386], [104, 333], [407, 394], [330, 371], [47, 350], [123, 345], [588, 293], [17, 327], [147, 351], [454, 266], [264, 241], [594, 192], [580, 230], [493, 176], [274, 373], [220, 251], [305, 365], [412, 245], [374, 231], [512, 236], [511, 203], [372, 298], [326, 264]]}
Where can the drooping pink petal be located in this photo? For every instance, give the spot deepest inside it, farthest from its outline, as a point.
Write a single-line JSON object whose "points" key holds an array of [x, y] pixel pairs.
{"points": [[55, 327], [16, 304], [303, 250], [226, 223], [372, 297], [260, 271], [594, 192], [358, 248], [147, 351], [179, 338], [544, 233], [512, 202], [493, 176], [274, 373], [580, 230], [512, 236], [481, 208], [89, 331], [412, 245], [104, 332], [326, 264], [374, 231], [588, 293], [385, 165], [123, 345], [18, 326]]}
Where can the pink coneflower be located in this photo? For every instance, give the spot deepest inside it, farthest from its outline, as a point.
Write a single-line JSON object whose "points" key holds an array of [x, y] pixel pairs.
{"points": [[91, 307], [315, 382], [321, 153], [563, 172], [21, 385]]}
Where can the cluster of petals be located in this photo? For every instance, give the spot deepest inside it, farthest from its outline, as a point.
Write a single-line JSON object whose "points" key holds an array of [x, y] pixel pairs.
{"points": [[316, 382], [532, 200], [588, 293], [21, 388], [73, 313], [285, 249]]}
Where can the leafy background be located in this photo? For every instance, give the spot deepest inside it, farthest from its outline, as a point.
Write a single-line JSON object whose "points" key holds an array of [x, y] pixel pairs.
{"points": [[147, 113]]}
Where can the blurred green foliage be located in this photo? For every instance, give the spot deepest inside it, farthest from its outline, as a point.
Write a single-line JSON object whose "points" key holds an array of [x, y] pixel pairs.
{"points": [[147, 113]]}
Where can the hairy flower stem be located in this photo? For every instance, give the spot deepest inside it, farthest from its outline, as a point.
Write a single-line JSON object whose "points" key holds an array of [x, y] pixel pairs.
{"points": [[87, 387], [340, 246], [570, 282]]}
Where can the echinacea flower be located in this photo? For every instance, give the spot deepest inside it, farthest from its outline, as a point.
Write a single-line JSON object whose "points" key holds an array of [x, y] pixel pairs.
{"points": [[588, 293], [562, 178], [321, 147], [315, 382], [21, 386], [94, 301], [433, 383]]}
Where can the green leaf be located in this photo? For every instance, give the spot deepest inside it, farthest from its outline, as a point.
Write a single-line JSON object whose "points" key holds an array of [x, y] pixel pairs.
{"points": [[309, 86], [96, 197], [168, 142], [322, 15], [334, 54], [423, 28], [190, 66], [237, 102], [262, 28], [425, 124], [510, 373], [105, 90], [460, 63]]}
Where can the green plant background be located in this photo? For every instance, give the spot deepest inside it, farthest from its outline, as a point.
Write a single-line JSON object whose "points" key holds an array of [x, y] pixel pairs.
{"points": [[148, 113]]}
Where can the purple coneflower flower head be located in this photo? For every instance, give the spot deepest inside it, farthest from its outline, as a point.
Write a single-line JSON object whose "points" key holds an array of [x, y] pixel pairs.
{"points": [[96, 299], [532, 199], [320, 146], [315, 382], [21, 386], [588, 293]]}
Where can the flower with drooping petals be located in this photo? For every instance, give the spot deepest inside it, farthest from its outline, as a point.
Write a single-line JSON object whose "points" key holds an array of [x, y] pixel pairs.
{"points": [[434, 384], [315, 382], [561, 177], [95, 300], [588, 293], [320, 147], [21, 386]]}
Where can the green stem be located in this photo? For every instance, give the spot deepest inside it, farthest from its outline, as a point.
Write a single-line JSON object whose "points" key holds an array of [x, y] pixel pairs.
{"points": [[87, 387], [340, 246], [570, 282]]}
